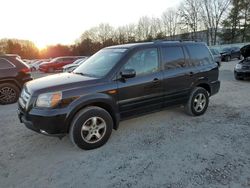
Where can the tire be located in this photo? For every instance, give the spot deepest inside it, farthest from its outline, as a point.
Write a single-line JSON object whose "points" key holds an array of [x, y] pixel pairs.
{"points": [[192, 105], [227, 58], [240, 57], [9, 93], [83, 131]]}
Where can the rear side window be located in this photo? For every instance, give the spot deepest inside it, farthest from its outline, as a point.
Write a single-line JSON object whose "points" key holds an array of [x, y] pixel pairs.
{"points": [[173, 57], [199, 55], [4, 64]]}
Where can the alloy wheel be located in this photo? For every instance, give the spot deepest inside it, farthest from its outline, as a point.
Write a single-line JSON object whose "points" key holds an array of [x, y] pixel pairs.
{"points": [[93, 130]]}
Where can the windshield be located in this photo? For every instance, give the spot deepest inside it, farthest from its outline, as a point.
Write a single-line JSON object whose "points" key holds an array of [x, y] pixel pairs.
{"points": [[100, 63]]}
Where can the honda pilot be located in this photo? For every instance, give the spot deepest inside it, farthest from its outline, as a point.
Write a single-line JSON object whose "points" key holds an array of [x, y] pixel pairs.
{"points": [[117, 83]]}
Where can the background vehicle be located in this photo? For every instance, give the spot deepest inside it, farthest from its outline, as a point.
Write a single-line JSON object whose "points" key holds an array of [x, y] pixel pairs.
{"points": [[242, 69], [57, 63], [117, 83], [217, 56], [230, 53], [13, 74], [74, 65], [35, 66]]}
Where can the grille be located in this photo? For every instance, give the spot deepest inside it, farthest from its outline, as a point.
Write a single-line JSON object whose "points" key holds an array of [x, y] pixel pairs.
{"points": [[24, 98]]}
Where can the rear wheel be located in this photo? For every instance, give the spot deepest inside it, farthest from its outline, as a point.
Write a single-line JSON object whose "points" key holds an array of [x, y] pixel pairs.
{"points": [[91, 128], [9, 93], [198, 102]]}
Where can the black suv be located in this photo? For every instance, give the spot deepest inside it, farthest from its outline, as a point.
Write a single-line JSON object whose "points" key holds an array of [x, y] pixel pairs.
{"points": [[13, 74], [116, 83]]}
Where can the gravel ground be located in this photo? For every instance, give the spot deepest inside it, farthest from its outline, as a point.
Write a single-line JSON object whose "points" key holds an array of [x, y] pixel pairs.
{"points": [[163, 149]]}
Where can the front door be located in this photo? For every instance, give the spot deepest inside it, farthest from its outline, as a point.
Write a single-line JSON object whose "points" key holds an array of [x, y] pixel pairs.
{"points": [[143, 92]]}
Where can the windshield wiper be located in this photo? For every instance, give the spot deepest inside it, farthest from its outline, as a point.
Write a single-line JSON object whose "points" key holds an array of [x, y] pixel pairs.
{"points": [[84, 74]]}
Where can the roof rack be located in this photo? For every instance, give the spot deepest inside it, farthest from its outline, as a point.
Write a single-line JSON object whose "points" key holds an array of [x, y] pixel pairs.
{"points": [[179, 40]]}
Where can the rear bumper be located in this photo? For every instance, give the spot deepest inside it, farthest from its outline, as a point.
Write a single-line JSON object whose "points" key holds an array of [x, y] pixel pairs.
{"points": [[215, 87], [47, 122]]}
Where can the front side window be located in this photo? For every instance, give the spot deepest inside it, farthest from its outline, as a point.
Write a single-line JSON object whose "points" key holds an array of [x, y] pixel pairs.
{"points": [[173, 57], [4, 64], [101, 63], [143, 62]]}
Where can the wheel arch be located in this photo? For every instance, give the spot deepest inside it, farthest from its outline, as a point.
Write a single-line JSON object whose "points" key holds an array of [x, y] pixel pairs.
{"points": [[11, 81], [103, 102], [206, 86]]}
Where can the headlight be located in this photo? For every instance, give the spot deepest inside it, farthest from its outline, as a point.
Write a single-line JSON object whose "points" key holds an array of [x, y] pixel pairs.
{"points": [[49, 100], [238, 66]]}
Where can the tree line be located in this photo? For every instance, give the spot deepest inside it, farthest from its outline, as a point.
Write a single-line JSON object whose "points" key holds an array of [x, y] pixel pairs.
{"points": [[227, 20]]}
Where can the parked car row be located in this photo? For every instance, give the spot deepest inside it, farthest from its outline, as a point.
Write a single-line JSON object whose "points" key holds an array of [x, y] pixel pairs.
{"points": [[74, 65], [57, 64], [66, 63]]}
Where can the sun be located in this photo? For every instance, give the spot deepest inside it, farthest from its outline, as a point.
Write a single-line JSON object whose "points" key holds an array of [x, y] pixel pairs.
{"points": [[41, 46]]}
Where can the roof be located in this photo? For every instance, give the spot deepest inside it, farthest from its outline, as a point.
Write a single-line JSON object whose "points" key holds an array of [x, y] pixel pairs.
{"points": [[133, 45]]}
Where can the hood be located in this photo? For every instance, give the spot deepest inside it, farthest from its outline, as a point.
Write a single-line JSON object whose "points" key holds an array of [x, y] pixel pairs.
{"points": [[245, 51], [59, 82]]}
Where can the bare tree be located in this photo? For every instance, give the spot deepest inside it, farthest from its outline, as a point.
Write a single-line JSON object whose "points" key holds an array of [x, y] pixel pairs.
{"points": [[144, 28], [189, 12], [211, 13], [170, 21]]}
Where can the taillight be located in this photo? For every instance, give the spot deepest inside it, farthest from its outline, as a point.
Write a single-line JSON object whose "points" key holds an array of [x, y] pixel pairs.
{"points": [[25, 70]]}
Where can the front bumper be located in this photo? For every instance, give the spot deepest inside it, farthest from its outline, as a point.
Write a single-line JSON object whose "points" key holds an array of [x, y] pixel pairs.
{"points": [[242, 73], [49, 122]]}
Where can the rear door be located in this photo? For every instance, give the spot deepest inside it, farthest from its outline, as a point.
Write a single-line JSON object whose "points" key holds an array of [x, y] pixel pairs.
{"points": [[144, 92], [177, 74]]}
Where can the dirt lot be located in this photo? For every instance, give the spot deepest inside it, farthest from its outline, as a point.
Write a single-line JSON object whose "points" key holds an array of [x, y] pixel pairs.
{"points": [[164, 149]]}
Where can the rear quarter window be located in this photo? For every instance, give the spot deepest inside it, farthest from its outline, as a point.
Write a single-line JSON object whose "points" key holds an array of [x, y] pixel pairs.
{"points": [[5, 64], [199, 55]]}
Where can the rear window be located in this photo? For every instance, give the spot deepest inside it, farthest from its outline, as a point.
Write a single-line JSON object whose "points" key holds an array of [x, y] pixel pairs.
{"points": [[200, 55], [173, 57], [5, 64]]}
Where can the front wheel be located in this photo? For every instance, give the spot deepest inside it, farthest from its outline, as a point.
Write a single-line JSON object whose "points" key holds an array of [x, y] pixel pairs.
{"points": [[91, 128], [198, 102]]}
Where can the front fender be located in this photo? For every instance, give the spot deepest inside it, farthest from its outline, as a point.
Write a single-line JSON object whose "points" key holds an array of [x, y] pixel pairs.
{"points": [[92, 99]]}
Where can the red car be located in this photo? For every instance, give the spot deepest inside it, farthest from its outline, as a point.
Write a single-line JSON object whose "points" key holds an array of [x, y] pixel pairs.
{"points": [[57, 63]]}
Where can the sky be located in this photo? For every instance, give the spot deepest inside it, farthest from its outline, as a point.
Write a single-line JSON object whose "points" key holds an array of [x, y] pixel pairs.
{"points": [[48, 22]]}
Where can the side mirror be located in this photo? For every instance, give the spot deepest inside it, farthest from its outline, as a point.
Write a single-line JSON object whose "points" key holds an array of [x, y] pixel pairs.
{"points": [[128, 73]]}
